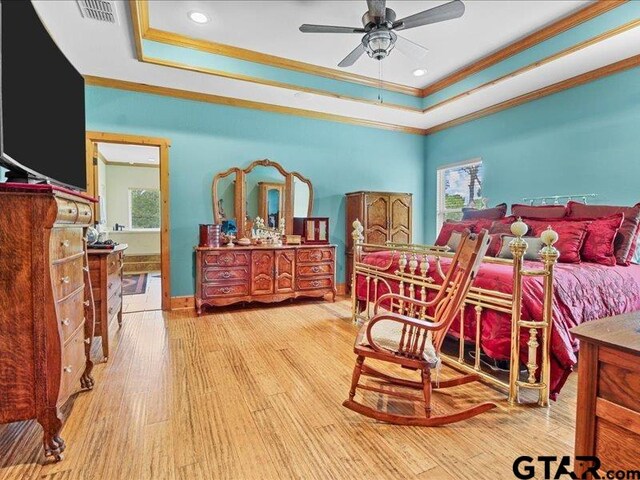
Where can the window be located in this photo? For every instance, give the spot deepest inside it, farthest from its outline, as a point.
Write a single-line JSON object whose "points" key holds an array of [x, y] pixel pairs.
{"points": [[459, 185], [144, 208]]}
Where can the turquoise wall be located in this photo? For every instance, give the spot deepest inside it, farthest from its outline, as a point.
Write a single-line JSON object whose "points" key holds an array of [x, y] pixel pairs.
{"points": [[207, 138], [582, 140]]}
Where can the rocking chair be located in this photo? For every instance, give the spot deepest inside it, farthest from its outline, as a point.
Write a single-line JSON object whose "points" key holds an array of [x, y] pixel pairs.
{"points": [[414, 342]]}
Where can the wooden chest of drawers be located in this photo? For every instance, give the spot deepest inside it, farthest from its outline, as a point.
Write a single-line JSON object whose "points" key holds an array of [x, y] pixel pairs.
{"points": [[106, 268], [263, 274], [45, 336], [608, 408]]}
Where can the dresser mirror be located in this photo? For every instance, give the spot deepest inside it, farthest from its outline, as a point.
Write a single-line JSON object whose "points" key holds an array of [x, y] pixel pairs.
{"points": [[263, 189]]}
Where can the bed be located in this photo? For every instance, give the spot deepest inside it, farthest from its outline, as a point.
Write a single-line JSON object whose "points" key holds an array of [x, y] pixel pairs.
{"points": [[550, 298]]}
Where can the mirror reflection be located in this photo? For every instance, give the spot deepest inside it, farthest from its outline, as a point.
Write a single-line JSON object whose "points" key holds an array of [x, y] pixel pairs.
{"points": [[265, 187], [300, 198]]}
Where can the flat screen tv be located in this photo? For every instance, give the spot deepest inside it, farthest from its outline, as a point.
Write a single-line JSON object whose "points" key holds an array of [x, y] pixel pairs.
{"points": [[42, 122]]}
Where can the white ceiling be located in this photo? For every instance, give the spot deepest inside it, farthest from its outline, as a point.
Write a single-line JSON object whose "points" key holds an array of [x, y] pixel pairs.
{"points": [[272, 27], [130, 154], [107, 50]]}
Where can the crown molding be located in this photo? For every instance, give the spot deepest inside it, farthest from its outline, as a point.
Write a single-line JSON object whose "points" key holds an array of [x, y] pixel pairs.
{"points": [[590, 11], [236, 102], [587, 77]]}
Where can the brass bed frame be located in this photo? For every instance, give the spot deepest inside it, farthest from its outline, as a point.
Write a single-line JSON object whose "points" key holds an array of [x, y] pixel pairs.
{"points": [[414, 282]]}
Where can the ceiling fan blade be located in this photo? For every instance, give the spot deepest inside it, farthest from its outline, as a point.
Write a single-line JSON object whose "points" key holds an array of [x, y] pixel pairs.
{"points": [[352, 57], [377, 10], [306, 28], [448, 11], [410, 49]]}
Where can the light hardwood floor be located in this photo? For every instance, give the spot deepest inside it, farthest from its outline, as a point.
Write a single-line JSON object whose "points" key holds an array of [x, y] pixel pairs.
{"points": [[256, 393], [150, 300]]}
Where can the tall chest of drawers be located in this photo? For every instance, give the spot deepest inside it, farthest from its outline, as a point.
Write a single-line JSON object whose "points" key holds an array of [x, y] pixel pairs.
{"points": [[263, 273], [45, 338], [106, 268]]}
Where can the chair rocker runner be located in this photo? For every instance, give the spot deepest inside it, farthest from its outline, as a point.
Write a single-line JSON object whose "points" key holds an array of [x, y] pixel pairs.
{"points": [[408, 339]]}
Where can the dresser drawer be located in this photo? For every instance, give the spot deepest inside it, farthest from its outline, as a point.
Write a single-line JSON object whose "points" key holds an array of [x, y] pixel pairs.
{"points": [[315, 255], [315, 283], [315, 270], [114, 284], [67, 277], [73, 363], [85, 214], [66, 242], [67, 211], [213, 290], [225, 259], [114, 264], [214, 274], [71, 314], [114, 304]]}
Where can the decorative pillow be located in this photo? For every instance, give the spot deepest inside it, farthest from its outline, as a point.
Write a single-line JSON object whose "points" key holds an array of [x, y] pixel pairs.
{"points": [[626, 240], [598, 244], [571, 236], [454, 240], [451, 226], [502, 226], [538, 211], [499, 211], [534, 245], [495, 244]]}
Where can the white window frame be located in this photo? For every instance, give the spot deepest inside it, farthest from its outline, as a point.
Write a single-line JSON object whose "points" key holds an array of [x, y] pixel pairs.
{"points": [[131, 229], [441, 211]]}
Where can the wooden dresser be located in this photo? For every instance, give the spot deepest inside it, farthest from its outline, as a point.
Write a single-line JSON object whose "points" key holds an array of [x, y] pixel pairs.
{"points": [[106, 268], [227, 275], [608, 409], [385, 216], [45, 339]]}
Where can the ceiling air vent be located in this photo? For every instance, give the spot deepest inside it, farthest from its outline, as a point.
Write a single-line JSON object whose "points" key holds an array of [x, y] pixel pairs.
{"points": [[101, 10]]}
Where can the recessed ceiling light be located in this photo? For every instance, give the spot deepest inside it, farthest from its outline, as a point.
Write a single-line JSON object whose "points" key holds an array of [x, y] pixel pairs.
{"points": [[419, 72], [198, 17]]}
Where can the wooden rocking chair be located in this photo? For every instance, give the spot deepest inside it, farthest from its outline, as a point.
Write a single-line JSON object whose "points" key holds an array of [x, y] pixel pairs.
{"points": [[415, 343]]}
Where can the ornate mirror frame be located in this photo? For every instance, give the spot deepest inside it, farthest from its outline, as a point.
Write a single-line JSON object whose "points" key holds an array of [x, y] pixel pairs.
{"points": [[240, 191]]}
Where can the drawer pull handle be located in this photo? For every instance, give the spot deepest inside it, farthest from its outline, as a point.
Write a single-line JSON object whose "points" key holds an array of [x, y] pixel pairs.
{"points": [[65, 279], [315, 269], [71, 210], [86, 269], [65, 322], [110, 285], [64, 243], [87, 303], [68, 369], [225, 290], [226, 274], [87, 341], [316, 283]]}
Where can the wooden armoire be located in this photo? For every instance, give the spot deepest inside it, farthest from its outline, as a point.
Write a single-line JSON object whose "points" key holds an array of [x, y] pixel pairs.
{"points": [[385, 216]]}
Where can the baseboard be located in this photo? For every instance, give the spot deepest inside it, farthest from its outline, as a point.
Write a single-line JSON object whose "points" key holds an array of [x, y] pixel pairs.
{"points": [[179, 303]]}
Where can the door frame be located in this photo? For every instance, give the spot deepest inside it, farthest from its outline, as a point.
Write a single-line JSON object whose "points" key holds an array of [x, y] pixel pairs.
{"points": [[92, 138]]}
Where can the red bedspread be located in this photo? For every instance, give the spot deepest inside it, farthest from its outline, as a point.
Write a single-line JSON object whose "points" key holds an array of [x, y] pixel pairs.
{"points": [[582, 292]]}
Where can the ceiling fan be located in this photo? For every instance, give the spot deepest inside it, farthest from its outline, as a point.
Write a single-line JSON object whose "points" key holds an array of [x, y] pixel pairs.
{"points": [[380, 26]]}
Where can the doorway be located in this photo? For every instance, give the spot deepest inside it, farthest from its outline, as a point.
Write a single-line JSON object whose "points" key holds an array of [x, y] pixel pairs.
{"points": [[129, 176]]}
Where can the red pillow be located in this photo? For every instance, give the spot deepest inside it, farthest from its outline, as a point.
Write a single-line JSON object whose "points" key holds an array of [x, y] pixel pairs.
{"points": [[538, 211], [495, 244], [571, 236], [626, 240], [502, 226], [499, 211], [451, 226], [599, 242]]}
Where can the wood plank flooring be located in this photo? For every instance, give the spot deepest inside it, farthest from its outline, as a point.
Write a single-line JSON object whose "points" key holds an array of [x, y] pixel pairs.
{"points": [[256, 393]]}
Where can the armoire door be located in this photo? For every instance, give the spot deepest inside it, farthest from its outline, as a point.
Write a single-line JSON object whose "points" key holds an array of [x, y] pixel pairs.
{"points": [[262, 270], [284, 271], [377, 219], [400, 218]]}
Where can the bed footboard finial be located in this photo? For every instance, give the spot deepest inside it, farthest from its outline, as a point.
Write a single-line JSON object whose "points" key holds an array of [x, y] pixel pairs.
{"points": [[549, 256], [518, 247]]}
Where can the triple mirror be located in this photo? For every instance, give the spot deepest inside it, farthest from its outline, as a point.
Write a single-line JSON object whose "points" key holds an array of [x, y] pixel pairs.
{"points": [[264, 189]]}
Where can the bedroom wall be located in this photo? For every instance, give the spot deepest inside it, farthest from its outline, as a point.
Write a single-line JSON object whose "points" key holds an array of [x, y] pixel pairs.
{"points": [[582, 140], [207, 138]]}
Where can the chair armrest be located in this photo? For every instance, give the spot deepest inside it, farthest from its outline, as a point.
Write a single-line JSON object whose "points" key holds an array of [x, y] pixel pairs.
{"points": [[395, 296], [397, 317]]}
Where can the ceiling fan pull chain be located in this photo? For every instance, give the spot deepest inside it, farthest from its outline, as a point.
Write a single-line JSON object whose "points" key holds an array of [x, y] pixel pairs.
{"points": [[380, 82]]}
